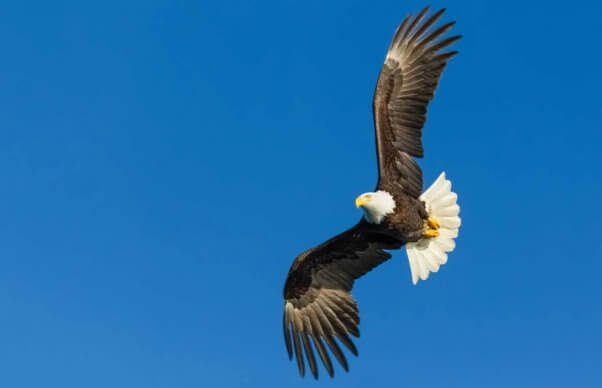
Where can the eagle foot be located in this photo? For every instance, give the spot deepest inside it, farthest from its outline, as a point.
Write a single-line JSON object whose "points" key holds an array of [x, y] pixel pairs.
{"points": [[430, 233], [433, 223]]}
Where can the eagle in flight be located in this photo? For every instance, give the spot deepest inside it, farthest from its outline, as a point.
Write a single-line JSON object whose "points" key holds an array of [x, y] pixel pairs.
{"points": [[319, 312]]}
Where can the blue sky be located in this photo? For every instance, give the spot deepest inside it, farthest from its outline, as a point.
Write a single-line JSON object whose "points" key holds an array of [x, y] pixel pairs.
{"points": [[163, 162]]}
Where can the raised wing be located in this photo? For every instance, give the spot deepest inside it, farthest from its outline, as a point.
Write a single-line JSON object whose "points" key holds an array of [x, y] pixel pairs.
{"points": [[406, 84], [318, 305]]}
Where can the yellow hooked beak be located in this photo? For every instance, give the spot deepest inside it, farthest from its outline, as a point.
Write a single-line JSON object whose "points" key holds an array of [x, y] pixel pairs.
{"points": [[360, 201]]}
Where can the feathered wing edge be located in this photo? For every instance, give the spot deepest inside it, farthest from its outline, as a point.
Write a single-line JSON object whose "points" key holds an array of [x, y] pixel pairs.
{"points": [[334, 315], [319, 312], [410, 74]]}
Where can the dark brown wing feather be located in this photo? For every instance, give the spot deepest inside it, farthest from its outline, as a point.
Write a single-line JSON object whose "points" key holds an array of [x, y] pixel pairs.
{"points": [[406, 84], [318, 307]]}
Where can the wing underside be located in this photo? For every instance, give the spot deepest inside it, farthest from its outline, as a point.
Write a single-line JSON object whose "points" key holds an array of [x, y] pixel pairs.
{"points": [[319, 312]]}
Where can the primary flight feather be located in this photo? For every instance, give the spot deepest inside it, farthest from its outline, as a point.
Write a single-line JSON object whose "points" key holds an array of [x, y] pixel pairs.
{"points": [[320, 315]]}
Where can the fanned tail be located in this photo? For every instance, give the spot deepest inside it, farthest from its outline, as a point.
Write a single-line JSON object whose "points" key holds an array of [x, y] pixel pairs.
{"points": [[428, 254]]}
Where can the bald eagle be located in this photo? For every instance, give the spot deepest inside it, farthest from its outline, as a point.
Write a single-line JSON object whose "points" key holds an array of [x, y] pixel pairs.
{"points": [[319, 311]]}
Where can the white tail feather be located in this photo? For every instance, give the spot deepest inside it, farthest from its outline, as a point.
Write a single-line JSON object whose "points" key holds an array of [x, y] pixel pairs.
{"points": [[427, 255]]}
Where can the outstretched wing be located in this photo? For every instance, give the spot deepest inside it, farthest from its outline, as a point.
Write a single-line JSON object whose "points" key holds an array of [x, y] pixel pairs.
{"points": [[318, 304], [406, 84]]}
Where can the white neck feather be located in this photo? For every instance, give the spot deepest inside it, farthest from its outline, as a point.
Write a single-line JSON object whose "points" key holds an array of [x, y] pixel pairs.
{"points": [[381, 205]]}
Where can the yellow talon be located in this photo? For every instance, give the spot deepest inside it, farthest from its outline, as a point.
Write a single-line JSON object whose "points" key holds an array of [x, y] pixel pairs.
{"points": [[433, 223], [431, 233]]}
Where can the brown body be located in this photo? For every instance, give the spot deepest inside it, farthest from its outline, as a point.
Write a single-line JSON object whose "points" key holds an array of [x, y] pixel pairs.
{"points": [[407, 223]]}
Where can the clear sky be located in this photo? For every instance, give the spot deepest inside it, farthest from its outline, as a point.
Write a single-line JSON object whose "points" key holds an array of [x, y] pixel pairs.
{"points": [[162, 163]]}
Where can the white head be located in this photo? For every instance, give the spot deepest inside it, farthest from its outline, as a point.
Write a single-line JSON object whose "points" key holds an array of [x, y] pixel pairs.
{"points": [[376, 205]]}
